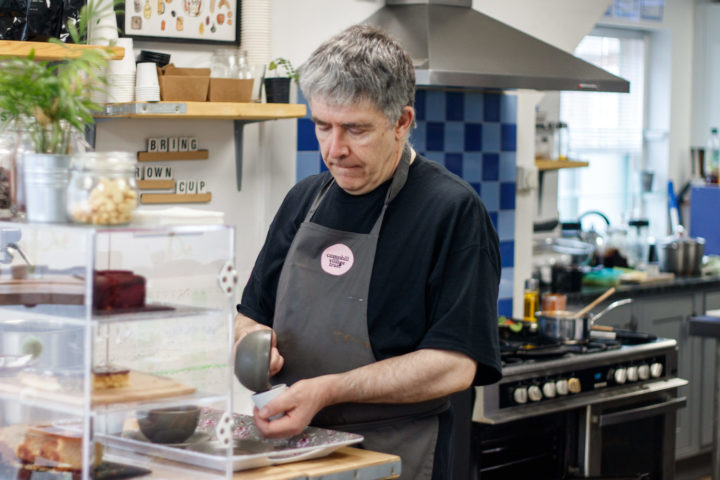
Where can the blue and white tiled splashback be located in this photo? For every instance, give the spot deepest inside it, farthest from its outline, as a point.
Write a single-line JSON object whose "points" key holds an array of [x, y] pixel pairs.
{"points": [[474, 135]]}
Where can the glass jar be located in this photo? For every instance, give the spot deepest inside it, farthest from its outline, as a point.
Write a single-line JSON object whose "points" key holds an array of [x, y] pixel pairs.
{"points": [[102, 189]]}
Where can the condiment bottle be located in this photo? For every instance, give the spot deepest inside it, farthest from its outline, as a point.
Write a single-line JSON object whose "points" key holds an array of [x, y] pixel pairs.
{"points": [[531, 299]]}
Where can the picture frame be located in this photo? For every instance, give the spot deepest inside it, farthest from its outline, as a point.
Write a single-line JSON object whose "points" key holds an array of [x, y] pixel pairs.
{"points": [[190, 21]]}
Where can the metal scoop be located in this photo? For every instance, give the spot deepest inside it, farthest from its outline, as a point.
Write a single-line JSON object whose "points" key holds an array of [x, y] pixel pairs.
{"points": [[252, 360]]}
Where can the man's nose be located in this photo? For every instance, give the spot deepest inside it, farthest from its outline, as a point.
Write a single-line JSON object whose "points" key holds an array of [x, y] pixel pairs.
{"points": [[338, 144]]}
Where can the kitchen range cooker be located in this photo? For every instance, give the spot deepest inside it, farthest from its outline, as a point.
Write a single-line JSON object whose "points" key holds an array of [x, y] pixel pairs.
{"points": [[592, 409]]}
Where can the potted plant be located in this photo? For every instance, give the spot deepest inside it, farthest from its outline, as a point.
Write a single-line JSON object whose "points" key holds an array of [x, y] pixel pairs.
{"points": [[52, 101], [277, 87]]}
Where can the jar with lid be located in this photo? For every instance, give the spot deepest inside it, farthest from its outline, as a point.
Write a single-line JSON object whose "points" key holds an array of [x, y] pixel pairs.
{"points": [[102, 188]]}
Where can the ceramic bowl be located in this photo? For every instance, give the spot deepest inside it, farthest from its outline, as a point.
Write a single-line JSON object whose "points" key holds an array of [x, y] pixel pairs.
{"points": [[252, 360], [169, 425], [263, 398]]}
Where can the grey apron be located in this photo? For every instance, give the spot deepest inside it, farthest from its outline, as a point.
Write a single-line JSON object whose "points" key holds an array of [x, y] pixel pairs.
{"points": [[321, 326]]}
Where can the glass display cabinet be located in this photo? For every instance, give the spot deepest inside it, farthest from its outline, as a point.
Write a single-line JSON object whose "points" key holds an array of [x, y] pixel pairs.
{"points": [[115, 349]]}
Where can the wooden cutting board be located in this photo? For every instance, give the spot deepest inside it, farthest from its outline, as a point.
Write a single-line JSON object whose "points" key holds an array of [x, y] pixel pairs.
{"points": [[53, 289], [142, 387], [345, 459], [642, 278]]}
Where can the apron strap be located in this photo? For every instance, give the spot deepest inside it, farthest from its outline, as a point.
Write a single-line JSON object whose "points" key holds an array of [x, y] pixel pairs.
{"points": [[398, 182]]}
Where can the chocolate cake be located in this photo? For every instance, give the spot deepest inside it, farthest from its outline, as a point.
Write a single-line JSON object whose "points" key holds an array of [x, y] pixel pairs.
{"points": [[118, 289]]}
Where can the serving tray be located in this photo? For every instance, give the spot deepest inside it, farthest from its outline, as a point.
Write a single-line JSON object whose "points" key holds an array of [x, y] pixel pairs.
{"points": [[251, 450]]}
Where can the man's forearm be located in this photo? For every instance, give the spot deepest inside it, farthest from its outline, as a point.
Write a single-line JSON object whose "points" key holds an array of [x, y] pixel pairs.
{"points": [[413, 377]]}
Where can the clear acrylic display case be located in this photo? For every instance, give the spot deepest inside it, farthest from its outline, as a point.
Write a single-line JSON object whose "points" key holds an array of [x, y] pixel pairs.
{"points": [[69, 307]]}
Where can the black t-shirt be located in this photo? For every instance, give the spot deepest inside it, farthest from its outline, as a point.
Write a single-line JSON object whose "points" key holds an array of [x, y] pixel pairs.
{"points": [[436, 272]]}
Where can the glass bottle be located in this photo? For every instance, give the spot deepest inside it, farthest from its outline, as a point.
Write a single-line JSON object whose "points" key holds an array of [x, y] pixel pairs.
{"points": [[244, 71], [561, 141], [713, 157], [531, 298], [102, 189]]}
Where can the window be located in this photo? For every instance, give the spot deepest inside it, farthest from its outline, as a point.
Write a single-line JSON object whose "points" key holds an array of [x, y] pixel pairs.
{"points": [[606, 129]]}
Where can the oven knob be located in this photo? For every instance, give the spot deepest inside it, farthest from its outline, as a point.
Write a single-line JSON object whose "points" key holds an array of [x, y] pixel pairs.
{"points": [[534, 393], [574, 385], [561, 387], [520, 395], [620, 376], [632, 373], [643, 372], [656, 370], [548, 389]]}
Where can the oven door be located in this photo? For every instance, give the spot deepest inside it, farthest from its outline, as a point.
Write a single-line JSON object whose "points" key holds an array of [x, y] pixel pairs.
{"points": [[633, 437]]}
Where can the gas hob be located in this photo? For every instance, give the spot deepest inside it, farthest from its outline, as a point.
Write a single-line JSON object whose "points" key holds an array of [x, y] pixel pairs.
{"points": [[573, 376]]}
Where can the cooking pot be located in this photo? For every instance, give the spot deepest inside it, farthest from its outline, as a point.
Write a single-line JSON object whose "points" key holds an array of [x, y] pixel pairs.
{"points": [[563, 327], [682, 256]]}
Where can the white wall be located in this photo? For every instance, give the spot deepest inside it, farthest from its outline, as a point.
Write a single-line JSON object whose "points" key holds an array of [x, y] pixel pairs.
{"points": [[269, 148]]}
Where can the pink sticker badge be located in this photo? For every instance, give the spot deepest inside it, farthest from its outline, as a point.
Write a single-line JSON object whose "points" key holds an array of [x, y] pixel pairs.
{"points": [[337, 259]]}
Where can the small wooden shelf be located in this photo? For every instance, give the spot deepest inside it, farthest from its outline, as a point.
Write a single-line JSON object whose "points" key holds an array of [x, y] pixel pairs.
{"points": [[546, 164], [155, 184], [51, 51], [156, 198], [169, 156], [204, 110]]}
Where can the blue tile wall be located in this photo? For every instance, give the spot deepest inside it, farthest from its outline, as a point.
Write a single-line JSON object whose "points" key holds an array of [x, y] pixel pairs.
{"points": [[474, 135]]}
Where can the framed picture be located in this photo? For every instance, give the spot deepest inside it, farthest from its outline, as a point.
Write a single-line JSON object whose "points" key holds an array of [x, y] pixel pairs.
{"points": [[195, 21]]}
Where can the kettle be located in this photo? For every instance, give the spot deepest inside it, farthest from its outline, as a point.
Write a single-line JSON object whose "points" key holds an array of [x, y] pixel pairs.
{"points": [[592, 236]]}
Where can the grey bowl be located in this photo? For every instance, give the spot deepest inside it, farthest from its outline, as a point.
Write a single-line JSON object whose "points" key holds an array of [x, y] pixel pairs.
{"points": [[169, 425], [252, 360]]}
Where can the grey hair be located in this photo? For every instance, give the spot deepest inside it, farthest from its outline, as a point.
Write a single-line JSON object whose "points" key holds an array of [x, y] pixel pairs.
{"points": [[361, 63]]}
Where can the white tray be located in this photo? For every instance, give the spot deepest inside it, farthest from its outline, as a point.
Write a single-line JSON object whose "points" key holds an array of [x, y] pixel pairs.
{"points": [[207, 452]]}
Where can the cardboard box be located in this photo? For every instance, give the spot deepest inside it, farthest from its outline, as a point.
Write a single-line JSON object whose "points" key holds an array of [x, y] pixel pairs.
{"points": [[184, 84], [230, 90]]}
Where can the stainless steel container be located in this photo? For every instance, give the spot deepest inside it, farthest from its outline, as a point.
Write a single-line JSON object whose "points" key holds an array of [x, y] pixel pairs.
{"points": [[46, 180], [682, 256]]}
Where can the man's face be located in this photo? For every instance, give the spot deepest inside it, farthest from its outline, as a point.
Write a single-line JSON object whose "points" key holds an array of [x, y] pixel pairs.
{"points": [[358, 144]]}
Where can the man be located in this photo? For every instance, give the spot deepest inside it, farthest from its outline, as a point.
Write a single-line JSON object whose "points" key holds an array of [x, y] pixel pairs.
{"points": [[379, 278]]}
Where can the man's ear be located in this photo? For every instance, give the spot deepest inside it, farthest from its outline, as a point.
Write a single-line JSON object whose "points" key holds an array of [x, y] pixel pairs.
{"points": [[405, 122]]}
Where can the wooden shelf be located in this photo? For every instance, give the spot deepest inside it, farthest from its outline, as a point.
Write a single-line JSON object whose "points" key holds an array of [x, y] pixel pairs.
{"points": [[156, 198], [155, 184], [51, 51], [204, 110], [169, 156], [240, 113], [546, 164]]}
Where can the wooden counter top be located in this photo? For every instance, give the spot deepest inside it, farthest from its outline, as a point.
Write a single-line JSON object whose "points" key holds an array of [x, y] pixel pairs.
{"points": [[345, 463], [366, 463]]}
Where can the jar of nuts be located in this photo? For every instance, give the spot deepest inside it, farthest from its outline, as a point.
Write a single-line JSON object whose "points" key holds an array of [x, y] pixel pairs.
{"points": [[102, 188]]}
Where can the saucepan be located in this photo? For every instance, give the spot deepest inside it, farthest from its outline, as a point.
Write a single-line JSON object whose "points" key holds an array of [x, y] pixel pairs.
{"points": [[573, 327]]}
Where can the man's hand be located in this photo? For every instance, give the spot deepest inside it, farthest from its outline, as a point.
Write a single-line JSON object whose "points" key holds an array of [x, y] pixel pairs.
{"points": [[245, 325], [413, 377], [299, 403]]}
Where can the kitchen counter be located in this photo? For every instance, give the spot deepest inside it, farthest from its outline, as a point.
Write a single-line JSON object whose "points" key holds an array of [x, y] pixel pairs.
{"points": [[678, 285], [346, 462]]}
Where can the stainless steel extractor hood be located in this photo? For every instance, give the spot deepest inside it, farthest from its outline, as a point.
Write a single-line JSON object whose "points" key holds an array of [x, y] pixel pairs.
{"points": [[453, 45]]}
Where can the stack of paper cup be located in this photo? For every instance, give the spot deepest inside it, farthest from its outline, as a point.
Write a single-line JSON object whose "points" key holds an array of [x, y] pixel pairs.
{"points": [[256, 37], [121, 75], [147, 88], [104, 30]]}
